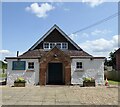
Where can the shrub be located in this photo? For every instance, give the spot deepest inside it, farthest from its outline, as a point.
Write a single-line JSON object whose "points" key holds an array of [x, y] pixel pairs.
{"points": [[89, 79], [3, 75], [20, 80]]}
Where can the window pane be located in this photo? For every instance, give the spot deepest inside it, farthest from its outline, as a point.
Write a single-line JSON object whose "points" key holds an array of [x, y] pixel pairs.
{"points": [[59, 45], [18, 65], [64, 45], [79, 65], [52, 45], [46, 45], [31, 65]]}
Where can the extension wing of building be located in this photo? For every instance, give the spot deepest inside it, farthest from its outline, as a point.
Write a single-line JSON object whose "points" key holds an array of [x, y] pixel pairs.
{"points": [[55, 59], [117, 56]]}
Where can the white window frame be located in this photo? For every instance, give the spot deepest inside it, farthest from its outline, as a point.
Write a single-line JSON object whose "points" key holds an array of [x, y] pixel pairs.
{"points": [[48, 45], [55, 44], [79, 68], [33, 66], [65, 44], [59, 44]]}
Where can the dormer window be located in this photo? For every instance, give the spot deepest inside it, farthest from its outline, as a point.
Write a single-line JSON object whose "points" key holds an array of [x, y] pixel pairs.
{"points": [[64, 46], [46, 45], [50, 45], [59, 45]]}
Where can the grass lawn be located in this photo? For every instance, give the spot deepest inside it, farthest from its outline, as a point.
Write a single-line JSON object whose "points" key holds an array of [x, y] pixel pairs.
{"points": [[111, 82]]}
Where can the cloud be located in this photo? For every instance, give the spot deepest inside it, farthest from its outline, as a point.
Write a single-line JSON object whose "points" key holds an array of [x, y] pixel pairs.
{"points": [[7, 53], [97, 32], [73, 36], [100, 46], [40, 10], [100, 32], [4, 51], [93, 3], [60, 4]]}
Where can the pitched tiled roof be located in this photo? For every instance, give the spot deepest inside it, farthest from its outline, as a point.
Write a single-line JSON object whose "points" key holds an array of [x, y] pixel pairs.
{"points": [[33, 54], [76, 53], [40, 52]]}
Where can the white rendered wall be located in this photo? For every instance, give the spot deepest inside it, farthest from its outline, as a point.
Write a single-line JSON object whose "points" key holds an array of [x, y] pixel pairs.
{"points": [[31, 77], [91, 68]]}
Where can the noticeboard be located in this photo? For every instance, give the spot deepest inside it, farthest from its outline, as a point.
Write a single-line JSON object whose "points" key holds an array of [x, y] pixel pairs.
{"points": [[18, 65]]}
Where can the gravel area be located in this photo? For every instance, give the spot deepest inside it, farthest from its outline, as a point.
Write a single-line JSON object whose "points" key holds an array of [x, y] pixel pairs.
{"points": [[59, 95]]}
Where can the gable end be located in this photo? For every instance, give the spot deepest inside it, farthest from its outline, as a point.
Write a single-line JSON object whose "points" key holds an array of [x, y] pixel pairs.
{"points": [[60, 37]]}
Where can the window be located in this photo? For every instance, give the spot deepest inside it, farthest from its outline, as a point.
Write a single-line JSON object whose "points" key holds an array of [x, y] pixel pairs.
{"points": [[64, 45], [59, 45], [30, 65], [79, 65], [50, 45], [18, 65], [46, 45]]}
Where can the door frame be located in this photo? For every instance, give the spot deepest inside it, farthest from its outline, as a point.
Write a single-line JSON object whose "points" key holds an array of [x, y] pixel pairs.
{"points": [[63, 75]]}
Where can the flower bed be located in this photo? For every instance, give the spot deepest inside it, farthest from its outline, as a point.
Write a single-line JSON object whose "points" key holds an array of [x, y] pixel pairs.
{"points": [[19, 82], [88, 82]]}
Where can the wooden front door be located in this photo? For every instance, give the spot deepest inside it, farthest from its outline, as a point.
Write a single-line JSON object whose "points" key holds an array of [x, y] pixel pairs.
{"points": [[55, 73]]}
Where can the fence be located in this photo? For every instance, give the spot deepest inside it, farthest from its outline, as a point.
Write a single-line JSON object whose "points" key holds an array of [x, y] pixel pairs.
{"points": [[112, 75]]}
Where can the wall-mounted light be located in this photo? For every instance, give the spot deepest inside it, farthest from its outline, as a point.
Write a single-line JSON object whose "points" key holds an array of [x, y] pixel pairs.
{"points": [[55, 55]]}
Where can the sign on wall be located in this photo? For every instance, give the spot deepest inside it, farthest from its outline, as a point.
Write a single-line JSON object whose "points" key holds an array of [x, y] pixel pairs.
{"points": [[18, 65]]}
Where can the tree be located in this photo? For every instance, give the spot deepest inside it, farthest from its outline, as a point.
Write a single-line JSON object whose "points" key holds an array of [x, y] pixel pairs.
{"points": [[3, 65], [112, 61], [106, 62]]}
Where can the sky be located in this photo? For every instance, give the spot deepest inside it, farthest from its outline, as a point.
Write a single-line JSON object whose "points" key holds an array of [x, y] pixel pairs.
{"points": [[23, 23]]}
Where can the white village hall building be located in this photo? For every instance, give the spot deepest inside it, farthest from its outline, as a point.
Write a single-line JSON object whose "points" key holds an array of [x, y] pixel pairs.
{"points": [[55, 59]]}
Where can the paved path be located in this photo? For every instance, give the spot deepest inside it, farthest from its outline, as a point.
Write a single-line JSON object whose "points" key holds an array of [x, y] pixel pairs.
{"points": [[59, 95]]}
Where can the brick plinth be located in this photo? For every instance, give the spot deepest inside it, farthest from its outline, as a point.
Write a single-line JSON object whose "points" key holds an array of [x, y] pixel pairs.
{"points": [[42, 76], [67, 75]]}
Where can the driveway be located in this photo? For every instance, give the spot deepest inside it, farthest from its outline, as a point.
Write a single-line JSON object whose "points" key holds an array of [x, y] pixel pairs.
{"points": [[59, 95]]}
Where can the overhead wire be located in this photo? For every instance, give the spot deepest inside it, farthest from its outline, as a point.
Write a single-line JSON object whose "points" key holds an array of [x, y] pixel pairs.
{"points": [[99, 22]]}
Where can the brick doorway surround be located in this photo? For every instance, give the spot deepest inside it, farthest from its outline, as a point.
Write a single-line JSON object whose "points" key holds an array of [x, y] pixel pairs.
{"points": [[55, 55]]}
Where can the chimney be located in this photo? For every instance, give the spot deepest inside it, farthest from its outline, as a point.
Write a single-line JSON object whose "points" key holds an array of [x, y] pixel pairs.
{"points": [[17, 53]]}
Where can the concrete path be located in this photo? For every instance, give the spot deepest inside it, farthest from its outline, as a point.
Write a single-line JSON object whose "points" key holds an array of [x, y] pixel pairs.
{"points": [[59, 95]]}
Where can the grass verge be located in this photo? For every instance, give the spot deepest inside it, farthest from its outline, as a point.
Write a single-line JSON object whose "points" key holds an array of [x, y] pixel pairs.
{"points": [[111, 82]]}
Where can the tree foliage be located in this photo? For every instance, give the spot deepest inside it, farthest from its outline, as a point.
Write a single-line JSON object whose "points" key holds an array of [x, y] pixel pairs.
{"points": [[112, 61], [3, 65]]}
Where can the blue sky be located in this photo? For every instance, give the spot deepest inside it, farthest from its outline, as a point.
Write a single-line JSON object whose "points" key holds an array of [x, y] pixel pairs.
{"points": [[23, 23]]}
